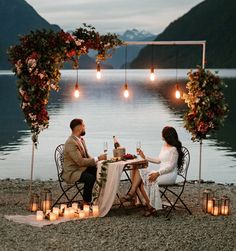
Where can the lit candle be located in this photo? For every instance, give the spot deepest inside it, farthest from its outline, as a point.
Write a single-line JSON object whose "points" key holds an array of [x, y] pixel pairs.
{"points": [[82, 214], [62, 208], [39, 215], [86, 210], [209, 206], [95, 211], [72, 212], [75, 206], [34, 207], [52, 216], [67, 213], [56, 211], [224, 210], [215, 211]]}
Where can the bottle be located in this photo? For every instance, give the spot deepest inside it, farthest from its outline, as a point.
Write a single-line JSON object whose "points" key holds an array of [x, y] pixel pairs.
{"points": [[116, 143]]}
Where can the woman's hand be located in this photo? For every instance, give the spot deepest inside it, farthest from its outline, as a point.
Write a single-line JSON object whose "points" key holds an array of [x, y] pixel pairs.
{"points": [[153, 176], [141, 154]]}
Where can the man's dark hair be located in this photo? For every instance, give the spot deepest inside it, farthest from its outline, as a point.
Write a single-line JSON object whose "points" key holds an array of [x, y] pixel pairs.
{"points": [[75, 122]]}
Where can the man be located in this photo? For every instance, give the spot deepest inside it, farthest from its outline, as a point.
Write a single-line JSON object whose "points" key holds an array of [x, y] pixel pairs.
{"points": [[78, 165]]}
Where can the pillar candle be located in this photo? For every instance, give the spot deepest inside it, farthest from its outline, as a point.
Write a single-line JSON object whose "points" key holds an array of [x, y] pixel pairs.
{"points": [[86, 210], [209, 206], [95, 211], [56, 211], [215, 211], [75, 205], [67, 213], [81, 214], [72, 212], [52, 216], [34, 207], [39, 215]]}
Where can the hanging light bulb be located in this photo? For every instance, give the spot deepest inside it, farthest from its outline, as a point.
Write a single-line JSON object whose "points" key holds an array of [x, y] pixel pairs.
{"points": [[152, 74], [177, 92], [98, 74], [76, 91], [126, 91]]}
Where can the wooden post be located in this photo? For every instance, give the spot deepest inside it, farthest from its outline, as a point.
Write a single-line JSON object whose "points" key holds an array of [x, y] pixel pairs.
{"points": [[32, 169], [200, 173]]}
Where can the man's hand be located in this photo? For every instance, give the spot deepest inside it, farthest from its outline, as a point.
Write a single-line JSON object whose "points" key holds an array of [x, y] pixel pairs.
{"points": [[102, 157], [153, 176]]}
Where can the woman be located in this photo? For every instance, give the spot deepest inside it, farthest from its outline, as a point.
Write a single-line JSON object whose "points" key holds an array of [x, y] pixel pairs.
{"points": [[170, 160]]}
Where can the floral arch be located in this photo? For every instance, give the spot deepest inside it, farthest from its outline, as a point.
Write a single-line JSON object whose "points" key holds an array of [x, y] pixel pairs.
{"points": [[37, 61]]}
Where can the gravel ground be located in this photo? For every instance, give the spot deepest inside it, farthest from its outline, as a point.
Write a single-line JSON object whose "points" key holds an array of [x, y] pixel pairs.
{"points": [[121, 229]]}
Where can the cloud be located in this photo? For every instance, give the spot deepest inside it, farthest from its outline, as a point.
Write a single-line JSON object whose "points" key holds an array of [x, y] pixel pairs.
{"points": [[113, 15]]}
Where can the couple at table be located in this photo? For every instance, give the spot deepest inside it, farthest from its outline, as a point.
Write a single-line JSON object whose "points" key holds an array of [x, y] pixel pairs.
{"points": [[80, 166]]}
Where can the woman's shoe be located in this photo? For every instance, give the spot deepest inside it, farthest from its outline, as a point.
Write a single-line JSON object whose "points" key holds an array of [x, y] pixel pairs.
{"points": [[149, 212], [127, 198]]}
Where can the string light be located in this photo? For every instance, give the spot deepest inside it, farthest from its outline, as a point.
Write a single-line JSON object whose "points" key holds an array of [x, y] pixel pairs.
{"points": [[177, 92], [152, 74], [76, 91], [98, 74], [126, 91]]}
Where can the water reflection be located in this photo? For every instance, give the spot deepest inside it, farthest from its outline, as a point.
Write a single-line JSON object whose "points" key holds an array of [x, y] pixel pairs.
{"points": [[106, 113]]}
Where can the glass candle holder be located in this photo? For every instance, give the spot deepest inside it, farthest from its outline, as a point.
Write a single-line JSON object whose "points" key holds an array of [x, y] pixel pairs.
{"points": [[216, 206], [207, 202], [225, 205], [46, 200], [34, 202]]}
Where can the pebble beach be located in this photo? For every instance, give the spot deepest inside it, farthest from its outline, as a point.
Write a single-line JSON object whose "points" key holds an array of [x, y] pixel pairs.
{"points": [[123, 228]]}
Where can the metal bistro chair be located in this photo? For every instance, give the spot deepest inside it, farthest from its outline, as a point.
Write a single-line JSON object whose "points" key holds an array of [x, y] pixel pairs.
{"points": [[59, 158], [182, 172]]}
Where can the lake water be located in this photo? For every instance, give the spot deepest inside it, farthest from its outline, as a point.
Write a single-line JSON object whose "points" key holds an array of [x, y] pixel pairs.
{"points": [[106, 113]]}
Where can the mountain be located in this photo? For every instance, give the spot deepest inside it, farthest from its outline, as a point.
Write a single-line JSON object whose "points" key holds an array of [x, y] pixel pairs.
{"points": [[211, 20], [17, 18], [118, 57]]}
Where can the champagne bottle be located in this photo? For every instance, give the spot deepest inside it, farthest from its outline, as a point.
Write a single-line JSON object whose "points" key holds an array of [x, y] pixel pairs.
{"points": [[116, 143]]}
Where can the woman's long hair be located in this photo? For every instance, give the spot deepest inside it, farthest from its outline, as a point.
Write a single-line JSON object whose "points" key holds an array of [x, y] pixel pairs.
{"points": [[171, 137]]}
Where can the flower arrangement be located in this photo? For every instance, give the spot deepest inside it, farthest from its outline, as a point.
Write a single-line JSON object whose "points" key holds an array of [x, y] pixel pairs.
{"points": [[37, 61], [207, 108]]}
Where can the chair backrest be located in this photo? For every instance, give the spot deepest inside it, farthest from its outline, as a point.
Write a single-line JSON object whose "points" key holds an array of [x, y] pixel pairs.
{"points": [[185, 165], [59, 159]]}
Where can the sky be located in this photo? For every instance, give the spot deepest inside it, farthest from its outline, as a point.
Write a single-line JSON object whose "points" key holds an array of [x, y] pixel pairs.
{"points": [[113, 15]]}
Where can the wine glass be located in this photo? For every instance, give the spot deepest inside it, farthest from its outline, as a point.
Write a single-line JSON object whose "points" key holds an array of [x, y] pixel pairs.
{"points": [[105, 147], [138, 146]]}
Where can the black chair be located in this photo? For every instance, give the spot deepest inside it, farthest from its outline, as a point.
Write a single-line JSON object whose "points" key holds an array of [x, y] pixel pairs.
{"points": [[165, 189], [66, 188]]}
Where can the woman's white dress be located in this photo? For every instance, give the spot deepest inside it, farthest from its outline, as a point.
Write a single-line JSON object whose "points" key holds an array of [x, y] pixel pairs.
{"points": [[168, 160]]}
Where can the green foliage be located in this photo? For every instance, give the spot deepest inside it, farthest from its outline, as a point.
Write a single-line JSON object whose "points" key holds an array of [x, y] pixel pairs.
{"points": [[207, 108], [37, 61]]}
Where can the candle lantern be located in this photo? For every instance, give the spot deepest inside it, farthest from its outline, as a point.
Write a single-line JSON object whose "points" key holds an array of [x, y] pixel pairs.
{"points": [[216, 206], [46, 200], [207, 202], [225, 205], [34, 202]]}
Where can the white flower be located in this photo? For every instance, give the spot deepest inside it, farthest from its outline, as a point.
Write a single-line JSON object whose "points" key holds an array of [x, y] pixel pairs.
{"points": [[41, 75], [21, 91], [24, 105], [32, 116], [31, 62], [18, 66]]}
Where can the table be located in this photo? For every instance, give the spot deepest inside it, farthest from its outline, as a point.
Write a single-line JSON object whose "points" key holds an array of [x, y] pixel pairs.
{"points": [[114, 171]]}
